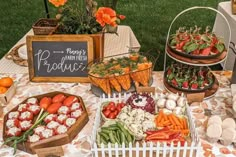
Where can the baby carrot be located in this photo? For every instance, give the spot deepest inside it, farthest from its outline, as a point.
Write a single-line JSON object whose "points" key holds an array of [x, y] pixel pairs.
{"points": [[185, 123], [159, 117], [171, 120], [165, 116], [166, 123], [175, 119]]}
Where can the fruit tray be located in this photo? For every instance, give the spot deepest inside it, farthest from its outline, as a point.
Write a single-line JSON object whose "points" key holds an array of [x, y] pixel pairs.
{"points": [[195, 46], [120, 73], [142, 148], [188, 78], [55, 140]]}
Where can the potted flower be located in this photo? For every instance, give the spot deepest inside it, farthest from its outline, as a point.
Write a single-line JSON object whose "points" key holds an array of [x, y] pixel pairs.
{"points": [[83, 17]]}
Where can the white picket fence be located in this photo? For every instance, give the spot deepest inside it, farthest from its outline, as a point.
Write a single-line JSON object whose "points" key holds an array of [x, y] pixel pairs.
{"points": [[143, 149]]}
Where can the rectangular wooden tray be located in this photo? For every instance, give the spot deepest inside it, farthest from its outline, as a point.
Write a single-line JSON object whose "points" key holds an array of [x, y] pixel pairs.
{"points": [[57, 140]]}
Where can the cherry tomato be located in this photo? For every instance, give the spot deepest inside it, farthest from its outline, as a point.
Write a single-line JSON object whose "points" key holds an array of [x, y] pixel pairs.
{"points": [[122, 104], [112, 115], [119, 108], [106, 113], [116, 112]]}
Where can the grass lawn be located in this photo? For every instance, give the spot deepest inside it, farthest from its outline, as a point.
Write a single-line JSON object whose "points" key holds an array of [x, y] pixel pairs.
{"points": [[149, 20]]}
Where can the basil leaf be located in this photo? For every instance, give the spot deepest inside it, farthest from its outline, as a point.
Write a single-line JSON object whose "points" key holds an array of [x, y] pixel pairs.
{"points": [[171, 76], [173, 42], [203, 46], [191, 47], [220, 47], [205, 38], [186, 45]]}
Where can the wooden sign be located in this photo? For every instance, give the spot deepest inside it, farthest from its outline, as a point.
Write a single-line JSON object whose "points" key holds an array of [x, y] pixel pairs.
{"points": [[145, 90], [59, 58], [195, 97], [50, 151]]}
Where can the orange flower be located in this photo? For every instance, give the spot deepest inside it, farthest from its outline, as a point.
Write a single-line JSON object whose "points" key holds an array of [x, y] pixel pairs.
{"points": [[105, 16], [58, 3]]}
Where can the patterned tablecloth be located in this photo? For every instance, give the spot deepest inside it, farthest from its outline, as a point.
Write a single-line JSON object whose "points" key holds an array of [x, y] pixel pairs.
{"points": [[221, 104]]}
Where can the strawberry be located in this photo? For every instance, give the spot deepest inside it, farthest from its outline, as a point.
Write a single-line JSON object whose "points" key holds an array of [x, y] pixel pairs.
{"points": [[214, 50], [196, 52], [185, 84], [174, 82], [169, 71], [206, 51], [194, 86]]}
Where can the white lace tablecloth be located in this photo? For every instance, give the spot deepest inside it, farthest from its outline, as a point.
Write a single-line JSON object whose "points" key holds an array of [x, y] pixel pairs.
{"points": [[221, 103], [113, 45]]}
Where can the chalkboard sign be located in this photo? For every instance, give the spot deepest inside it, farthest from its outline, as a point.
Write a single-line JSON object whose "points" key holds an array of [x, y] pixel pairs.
{"points": [[59, 58]]}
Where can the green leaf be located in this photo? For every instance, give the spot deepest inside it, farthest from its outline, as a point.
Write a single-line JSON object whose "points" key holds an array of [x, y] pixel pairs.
{"points": [[205, 38], [203, 46], [171, 76], [191, 47], [173, 42], [186, 45], [220, 47]]}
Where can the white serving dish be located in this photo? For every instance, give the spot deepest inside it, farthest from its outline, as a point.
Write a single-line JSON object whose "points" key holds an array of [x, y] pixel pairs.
{"points": [[22, 52], [143, 149]]}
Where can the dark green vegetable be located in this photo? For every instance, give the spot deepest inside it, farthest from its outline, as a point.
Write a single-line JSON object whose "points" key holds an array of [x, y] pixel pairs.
{"points": [[115, 133]]}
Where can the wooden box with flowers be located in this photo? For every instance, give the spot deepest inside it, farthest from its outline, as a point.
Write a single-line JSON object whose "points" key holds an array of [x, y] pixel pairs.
{"points": [[83, 18], [46, 120]]}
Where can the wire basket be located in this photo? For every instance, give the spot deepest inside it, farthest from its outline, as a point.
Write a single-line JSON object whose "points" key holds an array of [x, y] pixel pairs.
{"points": [[121, 72], [192, 59]]}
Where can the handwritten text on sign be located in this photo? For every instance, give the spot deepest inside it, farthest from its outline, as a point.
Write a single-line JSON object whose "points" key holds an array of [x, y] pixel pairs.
{"points": [[60, 59]]}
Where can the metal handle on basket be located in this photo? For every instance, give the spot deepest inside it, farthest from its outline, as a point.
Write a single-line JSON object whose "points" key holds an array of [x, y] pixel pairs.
{"points": [[192, 8]]}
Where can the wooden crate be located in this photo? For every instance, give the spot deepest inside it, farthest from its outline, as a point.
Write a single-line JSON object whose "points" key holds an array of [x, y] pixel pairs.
{"points": [[6, 97], [57, 140], [233, 3]]}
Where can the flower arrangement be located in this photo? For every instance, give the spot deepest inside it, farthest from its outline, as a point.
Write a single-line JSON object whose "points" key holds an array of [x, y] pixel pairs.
{"points": [[82, 17]]}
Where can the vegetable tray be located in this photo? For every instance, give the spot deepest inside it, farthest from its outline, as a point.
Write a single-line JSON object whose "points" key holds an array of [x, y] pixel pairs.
{"points": [[142, 148], [54, 140]]}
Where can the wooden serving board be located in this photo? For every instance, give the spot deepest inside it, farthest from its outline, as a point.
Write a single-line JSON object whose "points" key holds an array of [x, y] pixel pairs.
{"points": [[57, 140], [208, 93], [197, 61]]}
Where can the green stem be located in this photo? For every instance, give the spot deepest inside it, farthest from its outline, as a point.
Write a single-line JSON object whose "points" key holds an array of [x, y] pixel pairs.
{"points": [[23, 137]]}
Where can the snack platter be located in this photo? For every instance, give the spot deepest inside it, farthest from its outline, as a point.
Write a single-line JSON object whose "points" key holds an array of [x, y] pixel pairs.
{"points": [[138, 145], [121, 73], [59, 138]]}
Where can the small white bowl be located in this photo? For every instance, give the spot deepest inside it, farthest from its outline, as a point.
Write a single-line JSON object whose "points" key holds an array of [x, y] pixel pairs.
{"points": [[22, 52]]}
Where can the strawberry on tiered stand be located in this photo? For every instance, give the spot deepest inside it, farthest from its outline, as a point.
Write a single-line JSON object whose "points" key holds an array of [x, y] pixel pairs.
{"points": [[194, 49]]}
